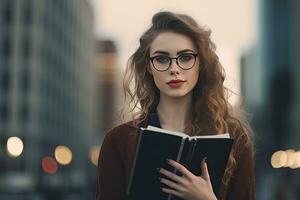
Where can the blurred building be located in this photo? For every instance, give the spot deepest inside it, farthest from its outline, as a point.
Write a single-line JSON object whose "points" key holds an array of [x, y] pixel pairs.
{"points": [[46, 91], [271, 87], [107, 85]]}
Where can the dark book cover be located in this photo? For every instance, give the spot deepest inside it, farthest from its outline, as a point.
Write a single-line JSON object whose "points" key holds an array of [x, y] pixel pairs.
{"points": [[156, 145], [217, 151]]}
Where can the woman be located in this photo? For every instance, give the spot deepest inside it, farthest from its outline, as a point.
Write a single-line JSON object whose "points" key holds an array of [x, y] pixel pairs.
{"points": [[178, 86]]}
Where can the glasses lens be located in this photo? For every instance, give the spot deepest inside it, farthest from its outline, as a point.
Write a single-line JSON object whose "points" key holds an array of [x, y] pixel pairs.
{"points": [[186, 60], [161, 62]]}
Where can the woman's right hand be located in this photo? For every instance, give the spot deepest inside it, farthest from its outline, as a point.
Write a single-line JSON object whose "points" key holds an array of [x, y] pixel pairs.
{"points": [[188, 186]]}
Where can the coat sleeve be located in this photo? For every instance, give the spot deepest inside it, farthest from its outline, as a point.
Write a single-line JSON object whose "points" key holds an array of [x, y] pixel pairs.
{"points": [[241, 185], [110, 170]]}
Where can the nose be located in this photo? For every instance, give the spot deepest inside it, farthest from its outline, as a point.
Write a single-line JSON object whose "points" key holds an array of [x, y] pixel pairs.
{"points": [[174, 68]]}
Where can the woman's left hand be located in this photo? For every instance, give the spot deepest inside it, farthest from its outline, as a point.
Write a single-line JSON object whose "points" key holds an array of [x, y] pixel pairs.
{"points": [[188, 186]]}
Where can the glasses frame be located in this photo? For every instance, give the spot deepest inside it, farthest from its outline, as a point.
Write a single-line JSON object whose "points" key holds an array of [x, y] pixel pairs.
{"points": [[176, 58]]}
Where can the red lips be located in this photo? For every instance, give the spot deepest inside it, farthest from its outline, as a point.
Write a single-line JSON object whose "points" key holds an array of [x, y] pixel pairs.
{"points": [[175, 83]]}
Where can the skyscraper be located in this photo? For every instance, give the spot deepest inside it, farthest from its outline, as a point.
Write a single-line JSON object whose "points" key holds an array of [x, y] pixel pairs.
{"points": [[270, 71], [107, 84], [46, 87]]}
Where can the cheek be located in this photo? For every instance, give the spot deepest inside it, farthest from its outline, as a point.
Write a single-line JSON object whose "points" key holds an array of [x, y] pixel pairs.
{"points": [[158, 78], [194, 75]]}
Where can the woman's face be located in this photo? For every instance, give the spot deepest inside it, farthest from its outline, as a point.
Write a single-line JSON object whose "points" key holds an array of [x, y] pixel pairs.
{"points": [[169, 44]]}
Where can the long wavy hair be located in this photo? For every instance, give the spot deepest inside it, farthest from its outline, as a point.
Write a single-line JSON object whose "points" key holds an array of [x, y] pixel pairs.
{"points": [[211, 111]]}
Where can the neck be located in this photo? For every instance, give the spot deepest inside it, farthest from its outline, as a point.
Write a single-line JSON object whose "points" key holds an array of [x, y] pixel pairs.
{"points": [[174, 113]]}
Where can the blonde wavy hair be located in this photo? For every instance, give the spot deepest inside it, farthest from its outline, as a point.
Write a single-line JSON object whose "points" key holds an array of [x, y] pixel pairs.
{"points": [[211, 111]]}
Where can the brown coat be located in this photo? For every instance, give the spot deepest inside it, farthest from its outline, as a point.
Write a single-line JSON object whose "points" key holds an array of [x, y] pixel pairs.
{"points": [[116, 157]]}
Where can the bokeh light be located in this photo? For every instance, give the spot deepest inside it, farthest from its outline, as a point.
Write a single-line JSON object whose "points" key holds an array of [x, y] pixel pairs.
{"points": [[63, 155], [296, 158], [14, 146], [290, 153], [278, 159], [94, 154], [49, 165]]}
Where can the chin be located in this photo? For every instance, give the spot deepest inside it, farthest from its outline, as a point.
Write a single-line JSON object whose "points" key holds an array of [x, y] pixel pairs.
{"points": [[176, 94]]}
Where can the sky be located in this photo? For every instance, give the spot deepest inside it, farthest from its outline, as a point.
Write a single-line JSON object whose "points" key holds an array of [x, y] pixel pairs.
{"points": [[232, 22]]}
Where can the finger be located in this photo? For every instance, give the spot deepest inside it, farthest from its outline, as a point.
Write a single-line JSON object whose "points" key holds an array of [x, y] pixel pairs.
{"points": [[184, 171], [172, 176], [204, 170], [173, 192], [171, 184]]}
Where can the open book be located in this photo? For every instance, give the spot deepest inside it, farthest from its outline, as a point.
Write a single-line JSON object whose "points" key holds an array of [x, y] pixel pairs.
{"points": [[155, 145]]}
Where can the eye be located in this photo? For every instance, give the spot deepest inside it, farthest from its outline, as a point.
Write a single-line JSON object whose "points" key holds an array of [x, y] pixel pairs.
{"points": [[162, 59], [186, 57]]}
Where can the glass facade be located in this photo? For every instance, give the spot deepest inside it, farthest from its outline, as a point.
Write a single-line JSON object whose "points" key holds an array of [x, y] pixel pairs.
{"points": [[46, 89]]}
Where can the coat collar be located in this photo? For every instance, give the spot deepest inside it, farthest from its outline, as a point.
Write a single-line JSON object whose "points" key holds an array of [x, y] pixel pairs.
{"points": [[152, 119]]}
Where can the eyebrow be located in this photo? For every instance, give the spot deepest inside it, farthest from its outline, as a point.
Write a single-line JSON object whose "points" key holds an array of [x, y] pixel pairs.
{"points": [[179, 52]]}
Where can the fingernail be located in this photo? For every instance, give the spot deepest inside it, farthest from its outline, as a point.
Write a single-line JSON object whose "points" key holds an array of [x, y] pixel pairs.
{"points": [[205, 159]]}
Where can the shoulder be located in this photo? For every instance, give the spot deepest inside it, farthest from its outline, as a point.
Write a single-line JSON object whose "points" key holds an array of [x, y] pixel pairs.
{"points": [[121, 131], [119, 140]]}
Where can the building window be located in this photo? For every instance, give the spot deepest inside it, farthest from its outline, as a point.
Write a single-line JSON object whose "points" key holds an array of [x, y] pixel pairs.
{"points": [[7, 12], [24, 83], [3, 112], [27, 12], [24, 114], [26, 46], [5, 79], [6, 47]]}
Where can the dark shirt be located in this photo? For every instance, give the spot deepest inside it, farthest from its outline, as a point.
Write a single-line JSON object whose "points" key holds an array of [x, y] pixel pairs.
{"points": [[153, 120]]}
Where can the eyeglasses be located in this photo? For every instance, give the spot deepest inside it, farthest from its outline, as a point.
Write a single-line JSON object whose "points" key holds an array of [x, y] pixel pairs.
{"points": [[185, 61]]}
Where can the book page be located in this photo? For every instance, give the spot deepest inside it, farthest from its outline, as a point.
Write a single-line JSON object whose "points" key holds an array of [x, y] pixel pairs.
{"points": [[184, 135], [225, 135], [156, 129]]}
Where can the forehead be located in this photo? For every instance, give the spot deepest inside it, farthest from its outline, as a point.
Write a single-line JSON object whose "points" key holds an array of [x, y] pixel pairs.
{"points": [[171, 43]]}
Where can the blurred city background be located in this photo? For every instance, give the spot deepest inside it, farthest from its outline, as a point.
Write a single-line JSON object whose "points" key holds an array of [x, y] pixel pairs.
{"points": [[61, 66]]}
